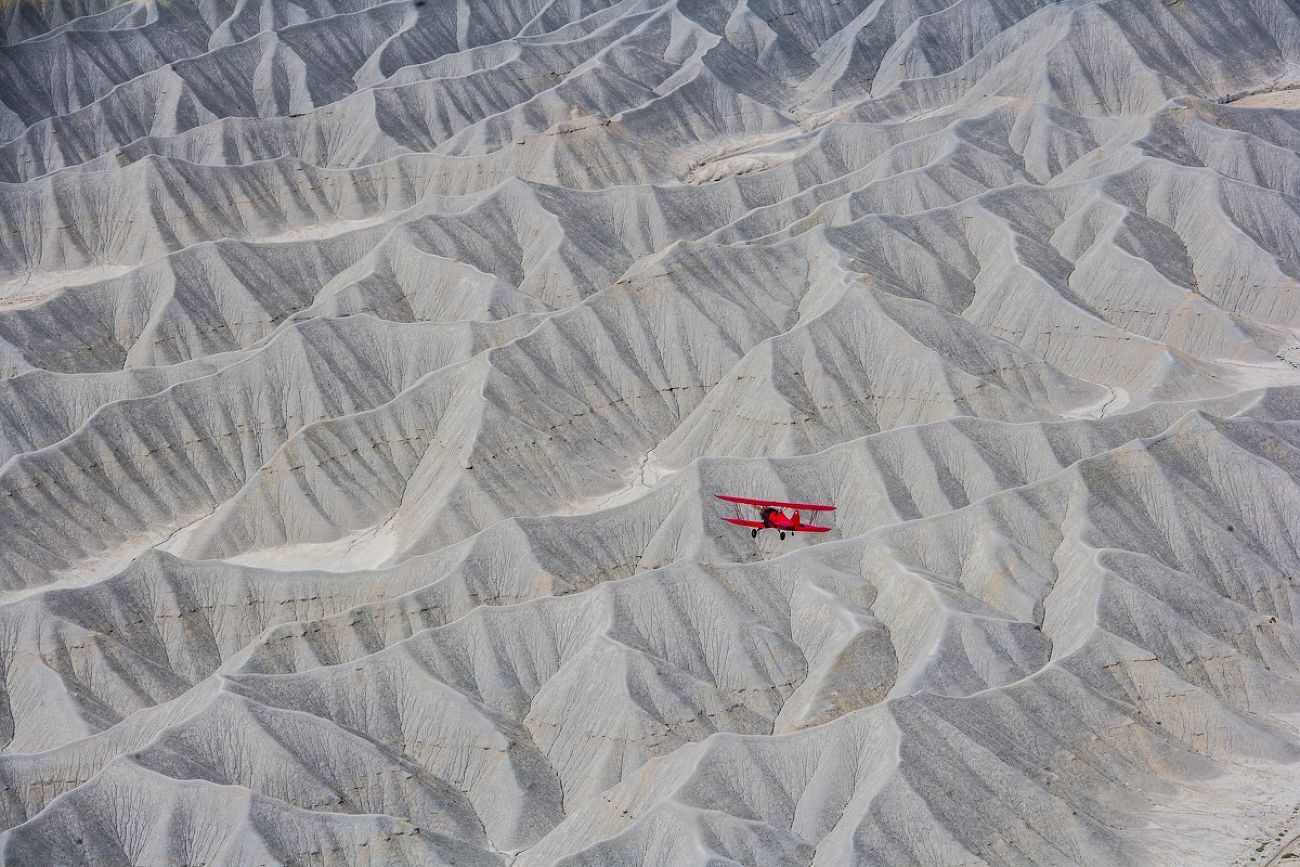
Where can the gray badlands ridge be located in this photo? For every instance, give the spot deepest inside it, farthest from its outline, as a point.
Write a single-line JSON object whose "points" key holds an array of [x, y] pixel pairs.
{"points": [[367, 370]]}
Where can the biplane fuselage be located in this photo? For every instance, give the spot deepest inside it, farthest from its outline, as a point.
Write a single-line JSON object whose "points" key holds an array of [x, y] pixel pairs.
{"points": [[776, 519]]}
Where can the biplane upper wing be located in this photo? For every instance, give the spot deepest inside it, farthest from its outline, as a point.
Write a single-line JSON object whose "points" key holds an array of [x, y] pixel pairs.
{"points": [[803, 507]]}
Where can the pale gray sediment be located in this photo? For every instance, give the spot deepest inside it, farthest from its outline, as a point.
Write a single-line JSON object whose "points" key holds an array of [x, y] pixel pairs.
{"points": [[367, 370]]}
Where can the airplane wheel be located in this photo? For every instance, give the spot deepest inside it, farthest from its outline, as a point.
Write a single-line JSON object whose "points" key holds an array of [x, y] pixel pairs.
{"points": [[783, 535], [753, 534]]}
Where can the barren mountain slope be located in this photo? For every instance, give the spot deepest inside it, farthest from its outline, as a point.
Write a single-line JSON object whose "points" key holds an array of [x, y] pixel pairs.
{"points": [[367, 370]]}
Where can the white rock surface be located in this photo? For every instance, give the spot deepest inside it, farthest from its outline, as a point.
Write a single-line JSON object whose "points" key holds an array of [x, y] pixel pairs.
{"points": [[367, 369]]}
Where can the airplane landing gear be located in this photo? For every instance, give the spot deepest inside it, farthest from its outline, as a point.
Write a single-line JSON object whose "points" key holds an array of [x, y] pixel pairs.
{"points": [[782, 532], [753, 534]]}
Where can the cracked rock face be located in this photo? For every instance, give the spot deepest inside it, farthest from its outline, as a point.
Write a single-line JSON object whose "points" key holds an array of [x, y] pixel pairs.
{"points": [[367, 370]]}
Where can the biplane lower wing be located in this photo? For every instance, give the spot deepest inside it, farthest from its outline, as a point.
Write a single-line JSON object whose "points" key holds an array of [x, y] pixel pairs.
{"points": [[741, 522], [759, 525], [776, 504]]}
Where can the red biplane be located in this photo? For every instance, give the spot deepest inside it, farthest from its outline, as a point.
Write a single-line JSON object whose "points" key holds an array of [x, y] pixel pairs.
{"points": [[771, 514]]}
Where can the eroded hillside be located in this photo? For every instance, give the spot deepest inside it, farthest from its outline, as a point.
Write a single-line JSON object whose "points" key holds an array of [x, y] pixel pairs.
{"points": [[367, 370]]}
